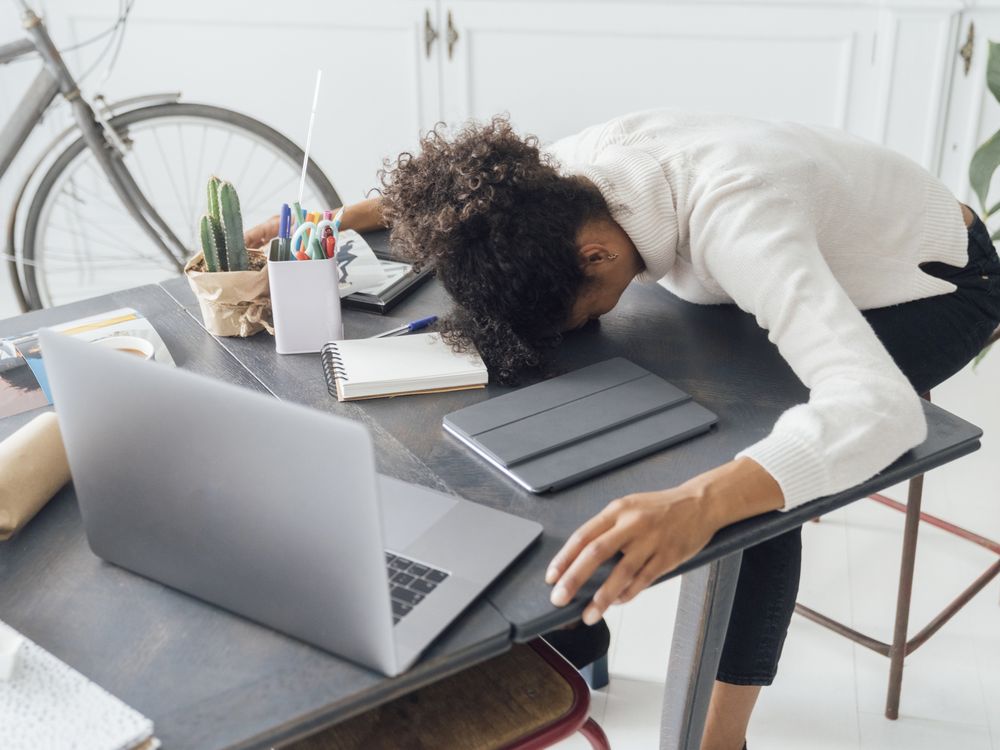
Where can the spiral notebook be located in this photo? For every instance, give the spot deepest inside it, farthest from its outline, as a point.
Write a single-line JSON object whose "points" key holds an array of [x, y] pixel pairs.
{"points": [[398, 366]]}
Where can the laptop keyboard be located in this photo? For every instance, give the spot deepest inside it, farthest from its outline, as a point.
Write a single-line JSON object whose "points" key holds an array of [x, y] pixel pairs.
{"points": [[409, 583]]}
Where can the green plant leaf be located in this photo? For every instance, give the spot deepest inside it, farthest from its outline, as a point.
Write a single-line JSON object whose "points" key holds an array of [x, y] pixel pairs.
{"points": [[984, 163], [993, 70], [979, 357], [995, 236], [992, 210], [987, 157]]}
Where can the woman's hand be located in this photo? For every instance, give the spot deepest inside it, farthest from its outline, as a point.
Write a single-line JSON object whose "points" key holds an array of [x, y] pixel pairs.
{"points": [[263, 233], [365, 216], [656, 532]]}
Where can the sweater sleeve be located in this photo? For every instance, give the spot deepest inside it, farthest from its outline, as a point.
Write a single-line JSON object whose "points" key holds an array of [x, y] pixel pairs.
{"points": [[758, 245], [579, 149]]}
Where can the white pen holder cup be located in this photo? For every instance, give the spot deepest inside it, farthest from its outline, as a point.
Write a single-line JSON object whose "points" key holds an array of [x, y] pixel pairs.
{"points": [[305, 302]]}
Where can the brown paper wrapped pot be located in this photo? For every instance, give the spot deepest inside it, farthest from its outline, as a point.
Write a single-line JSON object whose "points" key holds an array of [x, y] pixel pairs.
{"points": [[233, 303]]}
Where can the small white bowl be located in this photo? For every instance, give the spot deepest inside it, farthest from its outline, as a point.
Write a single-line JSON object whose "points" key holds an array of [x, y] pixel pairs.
{"points": [[137, 347]]}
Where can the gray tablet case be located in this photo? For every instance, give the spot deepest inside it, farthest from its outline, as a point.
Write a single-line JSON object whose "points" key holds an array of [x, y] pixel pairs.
{"points": [[560, 431]]}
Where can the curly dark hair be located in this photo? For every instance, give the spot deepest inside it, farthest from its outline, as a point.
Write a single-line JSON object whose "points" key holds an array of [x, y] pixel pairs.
{"points": [[499, 223]]}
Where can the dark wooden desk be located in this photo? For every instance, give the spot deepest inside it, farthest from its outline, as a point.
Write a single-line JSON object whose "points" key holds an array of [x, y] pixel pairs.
{"points": [[716, 353], [207, 679]]}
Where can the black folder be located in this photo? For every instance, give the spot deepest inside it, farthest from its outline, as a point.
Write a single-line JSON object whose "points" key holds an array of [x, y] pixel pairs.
{"points": [[560, 431]]}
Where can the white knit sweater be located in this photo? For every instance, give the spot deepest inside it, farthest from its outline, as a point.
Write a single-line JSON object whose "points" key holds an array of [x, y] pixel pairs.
{"points": [[802, 227]]}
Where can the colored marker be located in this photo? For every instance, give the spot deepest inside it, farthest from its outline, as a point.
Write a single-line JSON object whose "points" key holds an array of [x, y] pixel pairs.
{"points": [[284, 233]]}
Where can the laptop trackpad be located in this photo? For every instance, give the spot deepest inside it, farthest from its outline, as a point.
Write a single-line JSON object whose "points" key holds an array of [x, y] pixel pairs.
{"points": [[409, 510]]}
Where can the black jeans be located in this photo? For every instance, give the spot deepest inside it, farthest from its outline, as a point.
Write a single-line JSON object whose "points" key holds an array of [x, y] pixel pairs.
{"points": [[930, 339]]}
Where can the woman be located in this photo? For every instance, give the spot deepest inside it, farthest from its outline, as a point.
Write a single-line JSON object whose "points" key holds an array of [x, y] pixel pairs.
{"points": [[873, 281]]}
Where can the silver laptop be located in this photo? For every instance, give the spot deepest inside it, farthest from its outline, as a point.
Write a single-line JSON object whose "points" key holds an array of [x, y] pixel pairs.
{"points": [[268, 509]]}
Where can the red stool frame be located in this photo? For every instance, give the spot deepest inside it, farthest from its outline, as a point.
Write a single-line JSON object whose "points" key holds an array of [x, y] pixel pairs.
{"points": [[902, 646]]}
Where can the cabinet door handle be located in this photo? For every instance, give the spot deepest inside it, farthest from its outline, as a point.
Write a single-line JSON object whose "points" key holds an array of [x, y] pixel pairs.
{"points": [[452, 36], [965, 51], [430, 33]]}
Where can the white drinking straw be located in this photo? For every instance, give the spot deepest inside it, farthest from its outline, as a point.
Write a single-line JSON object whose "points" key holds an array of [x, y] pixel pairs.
{"points": [[309, 136]]}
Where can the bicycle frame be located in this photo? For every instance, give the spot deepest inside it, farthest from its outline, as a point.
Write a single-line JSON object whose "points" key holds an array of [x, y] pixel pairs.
{"points": [[40, 94], [55, 79]]}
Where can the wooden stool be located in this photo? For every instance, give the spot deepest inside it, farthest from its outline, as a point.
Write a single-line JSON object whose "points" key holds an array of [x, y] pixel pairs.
{"points": [[526, 699], [902, 646]]}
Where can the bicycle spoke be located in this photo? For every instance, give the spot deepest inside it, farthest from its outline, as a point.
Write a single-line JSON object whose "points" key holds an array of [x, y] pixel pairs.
{"points": [[134, 158], [166, 166], [225, 148], [280, 190], [246, 166], [60, 254], [114, 265], [193, 236], [192, 206], [252, 194], [75, 218], [115, 205], [107, 239]]}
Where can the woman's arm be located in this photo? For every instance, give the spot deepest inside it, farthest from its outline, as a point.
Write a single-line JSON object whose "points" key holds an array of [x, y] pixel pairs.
{"points": [[862, 413], [657, 531], [365, 216]]}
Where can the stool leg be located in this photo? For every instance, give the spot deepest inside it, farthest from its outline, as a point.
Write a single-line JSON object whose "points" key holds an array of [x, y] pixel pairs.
{"points": [[897, 651], [596, 673], [593, 733]]}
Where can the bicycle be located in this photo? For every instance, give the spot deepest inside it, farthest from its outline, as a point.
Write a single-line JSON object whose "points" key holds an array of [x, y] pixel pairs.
{"points": [[110, 210]]}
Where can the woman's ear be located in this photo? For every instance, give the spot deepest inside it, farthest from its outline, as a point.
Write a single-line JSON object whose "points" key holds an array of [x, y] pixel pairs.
{"points": [[593, 254]]}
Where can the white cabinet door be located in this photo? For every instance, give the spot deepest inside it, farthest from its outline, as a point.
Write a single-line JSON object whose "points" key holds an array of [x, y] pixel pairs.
{"points": [[380, 87], [916, 48], [559, 66], [973, 113]]}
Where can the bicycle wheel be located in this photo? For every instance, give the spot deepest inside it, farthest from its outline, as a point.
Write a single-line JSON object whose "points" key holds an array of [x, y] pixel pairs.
{"points": [[80, 242]]}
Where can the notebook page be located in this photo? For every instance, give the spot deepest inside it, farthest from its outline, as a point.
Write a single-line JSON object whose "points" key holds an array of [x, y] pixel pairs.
{"points": [[399, 360]]}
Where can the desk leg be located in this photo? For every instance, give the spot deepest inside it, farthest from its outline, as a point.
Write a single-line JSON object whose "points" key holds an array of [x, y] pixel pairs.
{"points": [[700, 629]]}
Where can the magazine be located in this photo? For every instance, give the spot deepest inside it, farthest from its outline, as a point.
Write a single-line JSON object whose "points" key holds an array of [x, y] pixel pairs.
{"points": [[23, 382]]}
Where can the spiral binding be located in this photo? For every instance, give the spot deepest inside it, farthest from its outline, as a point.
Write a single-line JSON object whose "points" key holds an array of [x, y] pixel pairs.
{"points": [[333, 367]]}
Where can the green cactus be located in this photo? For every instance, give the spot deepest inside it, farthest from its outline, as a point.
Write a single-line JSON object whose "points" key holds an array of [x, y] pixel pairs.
{"points": [[208, 244], [222, 229], [232, 228], [213, 198], [220, 242], [215, 218]]}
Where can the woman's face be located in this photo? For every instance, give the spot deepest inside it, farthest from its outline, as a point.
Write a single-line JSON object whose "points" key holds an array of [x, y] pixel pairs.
{"points": [[610, 261], [598, 297]]}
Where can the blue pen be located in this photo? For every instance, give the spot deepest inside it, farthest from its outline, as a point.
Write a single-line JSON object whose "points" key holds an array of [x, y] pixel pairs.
{"points": [[284, 232], [416, 325]]}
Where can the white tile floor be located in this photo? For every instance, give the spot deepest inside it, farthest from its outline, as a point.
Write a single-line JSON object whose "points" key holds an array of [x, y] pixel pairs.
{"points": [[829, 694]]}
